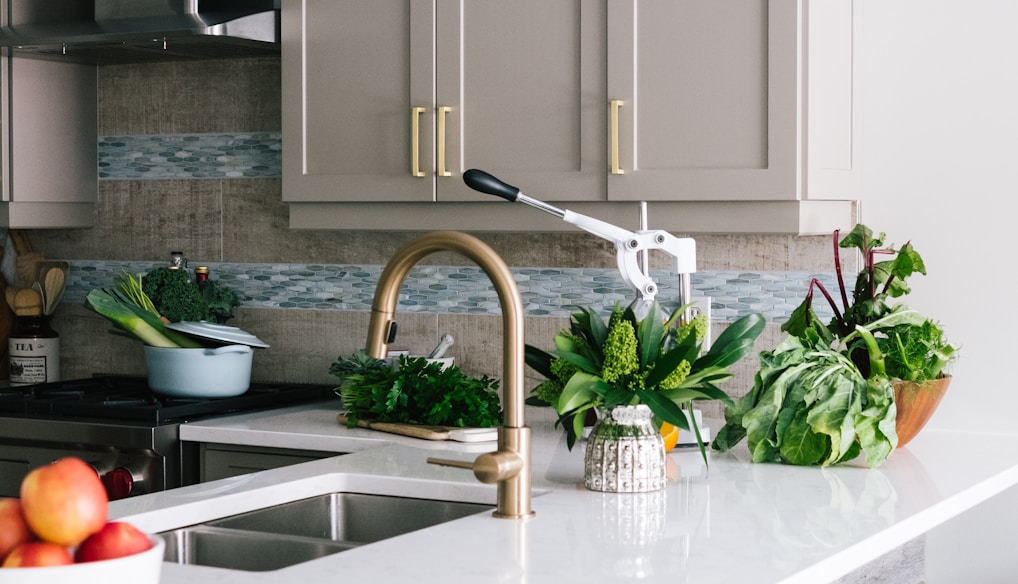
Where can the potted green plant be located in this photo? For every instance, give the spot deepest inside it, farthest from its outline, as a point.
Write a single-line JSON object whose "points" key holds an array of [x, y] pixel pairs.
{"points": [[598, 365], [831, 391]]}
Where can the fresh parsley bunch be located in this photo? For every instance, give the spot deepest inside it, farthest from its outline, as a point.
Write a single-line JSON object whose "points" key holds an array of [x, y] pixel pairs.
{"points": [[417, 392]]}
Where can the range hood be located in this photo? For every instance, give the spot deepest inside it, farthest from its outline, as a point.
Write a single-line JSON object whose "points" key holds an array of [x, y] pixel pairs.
{"points": [[107, 32]]}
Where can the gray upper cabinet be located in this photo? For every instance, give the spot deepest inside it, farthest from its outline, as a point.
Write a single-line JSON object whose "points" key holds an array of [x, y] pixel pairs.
{"points": [[593, 105], [749, 100], [47, 112], [391, 100]]}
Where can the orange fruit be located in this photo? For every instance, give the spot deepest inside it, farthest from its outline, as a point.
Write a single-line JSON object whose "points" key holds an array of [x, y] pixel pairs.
{"points": [[671, 435]]}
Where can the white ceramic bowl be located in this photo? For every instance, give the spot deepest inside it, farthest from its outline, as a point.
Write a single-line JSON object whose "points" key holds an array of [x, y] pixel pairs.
{"points": [[199, 373], [143, 568]]}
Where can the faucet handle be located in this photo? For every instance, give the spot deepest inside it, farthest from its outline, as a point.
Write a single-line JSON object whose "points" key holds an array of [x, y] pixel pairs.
{"points": [[490, 467]]}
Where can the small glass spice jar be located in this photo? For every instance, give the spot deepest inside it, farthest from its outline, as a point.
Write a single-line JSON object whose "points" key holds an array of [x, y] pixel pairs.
{"points": [[201, 275], [34, 349], [177, 260]]}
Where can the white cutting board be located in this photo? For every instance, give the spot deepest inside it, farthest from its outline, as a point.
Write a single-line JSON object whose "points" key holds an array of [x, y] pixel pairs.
{"points": [[428, 432]]}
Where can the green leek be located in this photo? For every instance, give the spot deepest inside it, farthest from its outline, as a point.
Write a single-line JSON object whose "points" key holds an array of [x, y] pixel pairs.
{"points": [[139, 323], [129, 291]]}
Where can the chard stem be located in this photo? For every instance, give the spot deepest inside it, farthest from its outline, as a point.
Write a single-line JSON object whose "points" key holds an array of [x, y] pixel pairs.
{"points": [[830, 300], [837, 270], [890, 277], [870, 273]]}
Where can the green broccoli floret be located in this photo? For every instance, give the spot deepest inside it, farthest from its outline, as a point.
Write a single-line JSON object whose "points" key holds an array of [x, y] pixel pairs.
{"points": [[620, 352]]}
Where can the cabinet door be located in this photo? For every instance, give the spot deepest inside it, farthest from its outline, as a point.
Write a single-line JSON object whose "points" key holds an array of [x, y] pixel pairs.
{"points": [[353, 72], [706, 101], [392, 100], [524, 82], [47, 115]]}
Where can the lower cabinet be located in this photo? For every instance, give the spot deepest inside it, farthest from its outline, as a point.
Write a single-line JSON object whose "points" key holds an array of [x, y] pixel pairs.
{"points": [[220, 461]]}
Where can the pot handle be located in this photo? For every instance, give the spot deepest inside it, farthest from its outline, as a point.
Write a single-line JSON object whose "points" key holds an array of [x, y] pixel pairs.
{"points": [[228, 349]]}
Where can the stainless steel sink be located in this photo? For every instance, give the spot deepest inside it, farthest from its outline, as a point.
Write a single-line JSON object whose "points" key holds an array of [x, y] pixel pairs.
{"points": [[288, 534]]}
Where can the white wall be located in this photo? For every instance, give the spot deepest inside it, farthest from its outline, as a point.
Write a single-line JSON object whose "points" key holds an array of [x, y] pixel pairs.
{"points": [[940, 117]]}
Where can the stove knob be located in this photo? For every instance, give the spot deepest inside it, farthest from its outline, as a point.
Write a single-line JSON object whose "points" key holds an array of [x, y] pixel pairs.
{"points": [[120, 483]]}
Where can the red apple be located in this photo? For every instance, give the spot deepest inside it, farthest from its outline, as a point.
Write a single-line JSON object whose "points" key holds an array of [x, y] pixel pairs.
{"points": [[14, 529], [64, 502], [116, 539], [36, 554]]}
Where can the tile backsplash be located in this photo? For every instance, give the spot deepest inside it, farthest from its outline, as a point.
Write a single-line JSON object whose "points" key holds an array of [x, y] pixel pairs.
{"points": [[235, 155], [548, 292]]}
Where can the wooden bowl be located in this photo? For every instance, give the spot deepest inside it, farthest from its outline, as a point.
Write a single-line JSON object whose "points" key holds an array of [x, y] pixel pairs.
{"points": [[916, 403]]}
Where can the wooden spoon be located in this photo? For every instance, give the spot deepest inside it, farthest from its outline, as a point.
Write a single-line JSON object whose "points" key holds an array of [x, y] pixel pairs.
{"points": [[53, 284], [37, 286], [27, 303]]}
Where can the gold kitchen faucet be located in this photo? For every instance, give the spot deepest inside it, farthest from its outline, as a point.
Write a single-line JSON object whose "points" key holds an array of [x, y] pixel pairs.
{"points": [[509, 465]]}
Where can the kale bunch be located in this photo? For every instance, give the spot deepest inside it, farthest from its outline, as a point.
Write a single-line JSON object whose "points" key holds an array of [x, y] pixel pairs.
{"points": [[179, 298]]}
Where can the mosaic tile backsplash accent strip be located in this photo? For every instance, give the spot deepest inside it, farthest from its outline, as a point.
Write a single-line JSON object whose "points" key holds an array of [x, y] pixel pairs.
{"points": [[552, 292], [240, 155]]}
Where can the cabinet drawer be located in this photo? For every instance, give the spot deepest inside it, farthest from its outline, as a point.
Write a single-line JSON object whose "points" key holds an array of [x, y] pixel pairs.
{"points": [[220, 461]]}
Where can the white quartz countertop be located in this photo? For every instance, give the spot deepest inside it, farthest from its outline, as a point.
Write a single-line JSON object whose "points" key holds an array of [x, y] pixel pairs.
{"points": [[742, 522], [306, 427]]}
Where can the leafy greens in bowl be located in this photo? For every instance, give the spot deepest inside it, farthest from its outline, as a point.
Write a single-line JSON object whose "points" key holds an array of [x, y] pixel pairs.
{"points": [[826, 393]]}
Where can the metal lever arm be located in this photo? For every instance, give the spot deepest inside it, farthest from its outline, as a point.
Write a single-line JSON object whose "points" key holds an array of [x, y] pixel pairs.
{"points": [[489, 467], [628, 244]]}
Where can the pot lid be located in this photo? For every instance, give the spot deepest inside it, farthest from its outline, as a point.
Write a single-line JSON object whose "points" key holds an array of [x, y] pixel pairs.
{"points": [[218, 332]]}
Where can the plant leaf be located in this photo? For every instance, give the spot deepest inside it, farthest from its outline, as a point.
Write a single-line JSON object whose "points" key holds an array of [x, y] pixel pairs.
{"points": [[667, 363], [734, 343], [801, 445], [649, 333], [580, 389], [538, 360], [578, 354], [589, 325]]}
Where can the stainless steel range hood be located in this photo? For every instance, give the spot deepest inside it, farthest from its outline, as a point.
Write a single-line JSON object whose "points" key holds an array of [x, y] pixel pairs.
{"points": [[106, 32]]}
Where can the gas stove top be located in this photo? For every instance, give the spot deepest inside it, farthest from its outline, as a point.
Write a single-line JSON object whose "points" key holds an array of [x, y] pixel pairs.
{"points": [[128, 399]]}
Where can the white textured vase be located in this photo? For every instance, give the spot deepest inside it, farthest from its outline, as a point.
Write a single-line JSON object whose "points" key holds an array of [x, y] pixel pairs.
{"points": [[625, 453]]}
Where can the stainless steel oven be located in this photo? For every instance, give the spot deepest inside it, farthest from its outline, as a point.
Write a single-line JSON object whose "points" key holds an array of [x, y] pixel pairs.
{"points": [[127, 433]]}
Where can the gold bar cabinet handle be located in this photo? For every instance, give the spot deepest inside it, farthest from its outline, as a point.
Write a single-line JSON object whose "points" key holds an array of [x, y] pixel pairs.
{"points": [[415, 141], [442, 171], [615, 105]]}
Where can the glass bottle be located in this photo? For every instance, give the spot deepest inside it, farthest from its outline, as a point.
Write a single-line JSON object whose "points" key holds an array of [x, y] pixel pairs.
{"points": [[177, 260], [34, 349]]}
